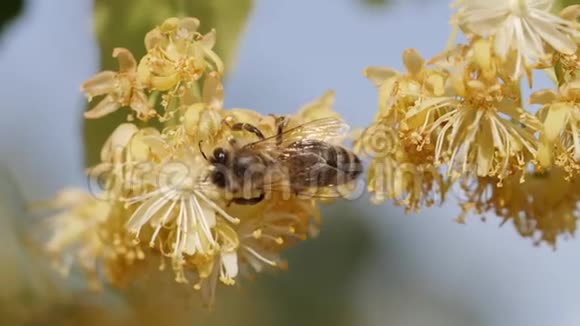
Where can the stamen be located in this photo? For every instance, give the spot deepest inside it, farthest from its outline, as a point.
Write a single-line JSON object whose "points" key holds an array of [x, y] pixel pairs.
{"points": [[202, 220], [260, 257], [217, 208]]}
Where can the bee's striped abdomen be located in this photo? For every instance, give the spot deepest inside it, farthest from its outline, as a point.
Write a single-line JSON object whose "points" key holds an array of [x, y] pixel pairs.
{"points": [[315, 163]]}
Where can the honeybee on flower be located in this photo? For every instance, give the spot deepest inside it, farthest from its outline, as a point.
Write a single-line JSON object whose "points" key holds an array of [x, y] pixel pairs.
{"points": [[160, 202]]}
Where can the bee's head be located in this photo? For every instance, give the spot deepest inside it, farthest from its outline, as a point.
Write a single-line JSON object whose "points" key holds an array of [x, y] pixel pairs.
{"points": [[220, 156], [220, 160]]}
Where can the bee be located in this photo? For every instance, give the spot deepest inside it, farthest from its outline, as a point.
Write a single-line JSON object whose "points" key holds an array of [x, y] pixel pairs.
{"points": [[296, 160]]}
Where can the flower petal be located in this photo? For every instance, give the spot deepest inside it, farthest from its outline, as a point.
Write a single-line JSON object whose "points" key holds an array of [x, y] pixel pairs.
{"points": [[153, 39], [208, 213], [169, 25], [228, 237], [126, 60], [208, 41], [321, 107], [213, 91], [544, 155], [413, 61], [191, 24], [140, 104], [140, 145], [210, 123], [230, 263], [164, 83], [550, 34], [118, 140], [556, 119], [571, 12], [104, 107], [102, 83], [378, 75], [543, 96], [571, 91], [485, 151]]}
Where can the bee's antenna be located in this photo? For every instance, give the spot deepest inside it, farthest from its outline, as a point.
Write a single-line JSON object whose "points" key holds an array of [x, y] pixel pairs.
{"points": [[201, 150]]}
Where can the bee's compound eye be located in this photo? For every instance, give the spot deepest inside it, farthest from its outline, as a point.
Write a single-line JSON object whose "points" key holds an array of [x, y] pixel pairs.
{"points": [[220, 155], [219, 179]]}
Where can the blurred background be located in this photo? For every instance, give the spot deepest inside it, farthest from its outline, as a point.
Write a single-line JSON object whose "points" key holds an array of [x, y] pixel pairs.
{"points": [[369, 266]]}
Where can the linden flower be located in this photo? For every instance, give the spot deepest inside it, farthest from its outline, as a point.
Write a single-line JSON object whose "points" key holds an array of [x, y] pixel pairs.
{"points": [[569, 63], [223, 266], [272, 227], [560, 114], [543, 207], [78, 232], [255, 244], [400, 169], [77, 226], [120, 88], [524, 26], [177, 54], [402, 166], [200, 118], [176, 216], [398, 91], [125, 156], [479, 126]]}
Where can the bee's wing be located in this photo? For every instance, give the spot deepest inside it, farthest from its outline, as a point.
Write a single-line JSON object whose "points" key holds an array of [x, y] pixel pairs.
{"points": [[324, 129], [295, 147], [305, 154]]}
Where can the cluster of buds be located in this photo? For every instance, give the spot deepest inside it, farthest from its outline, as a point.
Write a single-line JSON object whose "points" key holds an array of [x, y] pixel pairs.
{"points": [[459, 119], [155, 202]]}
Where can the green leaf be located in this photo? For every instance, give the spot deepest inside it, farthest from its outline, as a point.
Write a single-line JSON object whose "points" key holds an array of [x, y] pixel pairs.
{"points": [[375, 3], [317, 288], [8, 11], [125, 23]]}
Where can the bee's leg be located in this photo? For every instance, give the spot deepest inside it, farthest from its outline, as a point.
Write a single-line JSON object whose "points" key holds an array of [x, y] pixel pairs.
{"points": [[281, 122], [249, 128], [201, 150], [248, 201]]}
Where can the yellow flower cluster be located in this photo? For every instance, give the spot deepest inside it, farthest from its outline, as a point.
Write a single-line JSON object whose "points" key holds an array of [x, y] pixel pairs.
{"points": [[542, 207], [155, 203], [459, 117]]}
